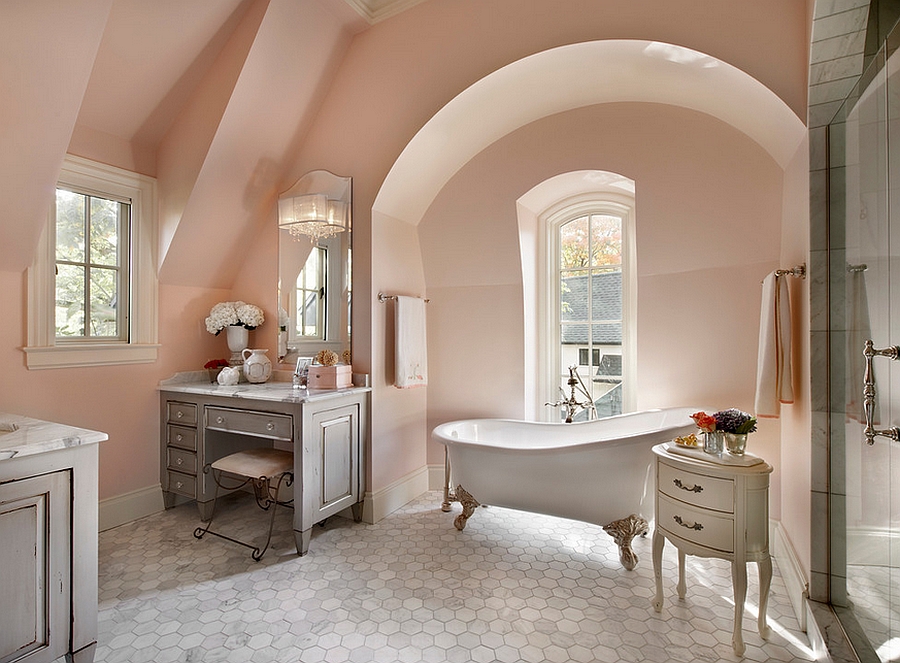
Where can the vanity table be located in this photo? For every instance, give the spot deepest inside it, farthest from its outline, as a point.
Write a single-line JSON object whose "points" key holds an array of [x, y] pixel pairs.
{"points": [[714, 506], [325, 429], [48, 540]]}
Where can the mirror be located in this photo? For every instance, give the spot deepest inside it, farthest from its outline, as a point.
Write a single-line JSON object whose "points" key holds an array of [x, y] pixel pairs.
{"points": [[314, 266]]}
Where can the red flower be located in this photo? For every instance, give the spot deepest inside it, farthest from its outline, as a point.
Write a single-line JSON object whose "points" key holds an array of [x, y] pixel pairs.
{"points": [[705, 422], [215, 363]]}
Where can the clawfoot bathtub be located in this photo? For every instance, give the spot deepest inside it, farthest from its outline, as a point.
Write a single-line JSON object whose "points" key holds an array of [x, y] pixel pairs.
{"points": [[598, 471]]}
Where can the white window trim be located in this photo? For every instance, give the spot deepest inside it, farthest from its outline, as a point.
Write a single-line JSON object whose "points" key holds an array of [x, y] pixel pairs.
{"points": [[42, 350], [548, 304]]}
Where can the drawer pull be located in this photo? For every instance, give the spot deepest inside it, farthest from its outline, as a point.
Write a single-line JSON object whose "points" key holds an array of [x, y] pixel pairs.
{"points": [[179, 437], [270, 426], [179, 461], [220, 420], [179, 484], [695, 526], [692, 489], [179, 414]]}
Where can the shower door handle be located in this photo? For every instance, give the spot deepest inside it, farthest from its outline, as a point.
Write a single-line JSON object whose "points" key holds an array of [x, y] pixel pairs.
{"points": [[870, 353]]}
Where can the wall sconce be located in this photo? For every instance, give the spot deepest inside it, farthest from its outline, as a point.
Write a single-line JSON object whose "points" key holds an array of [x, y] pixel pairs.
{"points": [[312, 215]]}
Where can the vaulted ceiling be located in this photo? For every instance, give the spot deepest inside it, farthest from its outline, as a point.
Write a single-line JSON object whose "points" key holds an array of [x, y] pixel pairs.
{"points": [[210, 96]]}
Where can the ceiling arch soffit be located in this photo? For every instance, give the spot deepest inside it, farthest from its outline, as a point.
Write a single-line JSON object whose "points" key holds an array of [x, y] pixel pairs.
{"points": [[575, 76]]}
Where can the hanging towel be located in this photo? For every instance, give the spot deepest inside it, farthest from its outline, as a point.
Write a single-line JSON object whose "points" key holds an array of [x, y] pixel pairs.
{"points": [[773, 373], [410, 351], [859, 330]]}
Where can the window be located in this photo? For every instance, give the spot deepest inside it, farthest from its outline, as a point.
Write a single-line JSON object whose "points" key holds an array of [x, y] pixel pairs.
{"points": [[92, 269], [92, 289], [310, 300], [587, 314]]}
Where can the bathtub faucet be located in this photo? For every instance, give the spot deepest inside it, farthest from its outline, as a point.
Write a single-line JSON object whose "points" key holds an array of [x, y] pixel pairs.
{"points": [[572, 404]]}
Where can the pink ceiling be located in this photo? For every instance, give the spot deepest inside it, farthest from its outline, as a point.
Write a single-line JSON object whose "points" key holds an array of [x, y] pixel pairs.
{"points": [[209, 96]]}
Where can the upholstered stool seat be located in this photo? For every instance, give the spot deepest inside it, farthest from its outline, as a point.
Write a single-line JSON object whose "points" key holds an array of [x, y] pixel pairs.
{"points": [[266, 469]]}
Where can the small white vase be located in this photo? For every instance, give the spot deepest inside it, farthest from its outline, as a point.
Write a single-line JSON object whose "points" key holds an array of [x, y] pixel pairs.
{"points": [[257, 366], [238, 338]]}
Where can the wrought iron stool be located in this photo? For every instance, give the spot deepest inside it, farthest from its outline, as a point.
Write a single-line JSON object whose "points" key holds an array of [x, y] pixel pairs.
{"points": [[257, 466]]}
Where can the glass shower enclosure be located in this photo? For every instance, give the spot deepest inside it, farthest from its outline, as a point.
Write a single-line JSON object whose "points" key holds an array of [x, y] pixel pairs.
{"points": [[864, 385]]}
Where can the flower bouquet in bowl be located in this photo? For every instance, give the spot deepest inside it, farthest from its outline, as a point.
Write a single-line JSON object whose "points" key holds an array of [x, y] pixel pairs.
{"points": [[725, 430]]}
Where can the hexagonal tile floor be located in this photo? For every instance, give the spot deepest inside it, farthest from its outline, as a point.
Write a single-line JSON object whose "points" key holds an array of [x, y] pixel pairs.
{"points": [[512, 586]]}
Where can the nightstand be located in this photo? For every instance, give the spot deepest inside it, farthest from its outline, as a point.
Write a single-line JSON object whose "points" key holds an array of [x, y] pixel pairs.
{"points": [[714, 506]]}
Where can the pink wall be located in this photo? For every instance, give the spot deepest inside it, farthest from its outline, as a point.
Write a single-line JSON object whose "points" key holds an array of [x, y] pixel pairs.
{"points": [[392, 79], [708, 231], [399, 73]]}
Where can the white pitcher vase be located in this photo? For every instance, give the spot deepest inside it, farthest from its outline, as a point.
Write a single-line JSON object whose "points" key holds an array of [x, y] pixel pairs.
{"points": [[257, 366]]}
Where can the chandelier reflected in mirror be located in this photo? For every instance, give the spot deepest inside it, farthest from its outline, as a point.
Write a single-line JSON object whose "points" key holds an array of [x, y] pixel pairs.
{"points": [[312, 215]]}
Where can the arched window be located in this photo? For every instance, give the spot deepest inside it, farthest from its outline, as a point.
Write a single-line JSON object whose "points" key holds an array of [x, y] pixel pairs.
{"points": [[588, 292]]}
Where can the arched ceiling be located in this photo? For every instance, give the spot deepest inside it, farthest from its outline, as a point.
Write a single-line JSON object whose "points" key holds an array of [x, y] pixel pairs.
{"points": [[574, 76]]}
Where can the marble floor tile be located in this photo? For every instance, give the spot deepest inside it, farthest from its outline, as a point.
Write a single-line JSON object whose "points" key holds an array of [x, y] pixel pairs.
{"points": [[511, 587]]}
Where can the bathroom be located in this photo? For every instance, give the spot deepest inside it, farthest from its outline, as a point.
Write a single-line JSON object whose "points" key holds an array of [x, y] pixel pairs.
{"points": [[721, 199]]}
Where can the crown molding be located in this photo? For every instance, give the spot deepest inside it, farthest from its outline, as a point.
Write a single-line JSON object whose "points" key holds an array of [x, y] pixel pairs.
{"points": [[378, 10]]}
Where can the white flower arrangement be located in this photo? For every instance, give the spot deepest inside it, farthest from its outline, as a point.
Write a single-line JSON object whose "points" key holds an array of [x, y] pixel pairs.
{"points": [[240, 314]]}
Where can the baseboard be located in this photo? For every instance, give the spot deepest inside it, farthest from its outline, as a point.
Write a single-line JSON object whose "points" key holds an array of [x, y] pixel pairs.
{"points": [[379, 504], [436, 477], [792, 573], [125, 508]]}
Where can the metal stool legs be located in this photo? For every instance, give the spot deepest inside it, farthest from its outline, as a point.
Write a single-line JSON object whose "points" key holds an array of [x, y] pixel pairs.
{"points": [[265, 498]]}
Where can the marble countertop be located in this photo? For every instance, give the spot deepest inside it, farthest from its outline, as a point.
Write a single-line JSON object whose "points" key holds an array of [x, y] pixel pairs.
{"points": [[24, 436], [197, 382]]}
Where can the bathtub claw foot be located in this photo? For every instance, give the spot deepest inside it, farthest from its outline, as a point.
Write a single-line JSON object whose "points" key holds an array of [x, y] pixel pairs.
{"points": [[623, 532], [468, 508]]}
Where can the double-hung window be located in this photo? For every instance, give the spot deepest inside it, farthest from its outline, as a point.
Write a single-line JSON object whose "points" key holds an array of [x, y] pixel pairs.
{"points": [[92, 288]]}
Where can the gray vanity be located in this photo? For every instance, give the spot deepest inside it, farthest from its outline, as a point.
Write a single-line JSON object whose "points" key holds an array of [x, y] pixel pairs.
{"points": [[325, 429], [48, 540]]}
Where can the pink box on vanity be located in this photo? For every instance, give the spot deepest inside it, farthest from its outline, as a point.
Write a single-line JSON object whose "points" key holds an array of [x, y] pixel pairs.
{"points": [[330, 377]]}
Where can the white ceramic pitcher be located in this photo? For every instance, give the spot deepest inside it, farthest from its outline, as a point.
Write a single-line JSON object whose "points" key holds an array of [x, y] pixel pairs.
{"points": [[257, 366]]}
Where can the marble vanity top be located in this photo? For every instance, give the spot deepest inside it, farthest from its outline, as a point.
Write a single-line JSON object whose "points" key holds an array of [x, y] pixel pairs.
{"points": [[24, 436], [273, 390]]}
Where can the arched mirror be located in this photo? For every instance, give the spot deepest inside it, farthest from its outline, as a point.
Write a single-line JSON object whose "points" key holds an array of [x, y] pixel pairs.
{"points": [[314, 266]]}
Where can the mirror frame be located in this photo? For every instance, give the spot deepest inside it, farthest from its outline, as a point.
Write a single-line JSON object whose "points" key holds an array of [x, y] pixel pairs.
{"points": [[338, 290]]}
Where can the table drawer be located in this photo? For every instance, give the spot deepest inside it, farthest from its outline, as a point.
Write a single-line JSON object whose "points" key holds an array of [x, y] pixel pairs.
{"points": [[700, 526], [698, 489], [246, 422], [181, 460], [179, 436], [183, 484], [181, 413]]}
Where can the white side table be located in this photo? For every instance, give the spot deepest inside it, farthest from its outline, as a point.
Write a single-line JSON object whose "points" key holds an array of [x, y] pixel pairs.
{"points": [[712, 506]]}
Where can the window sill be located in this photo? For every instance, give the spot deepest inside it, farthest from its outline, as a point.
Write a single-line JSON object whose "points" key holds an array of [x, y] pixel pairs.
{"points": [[75, 356]]}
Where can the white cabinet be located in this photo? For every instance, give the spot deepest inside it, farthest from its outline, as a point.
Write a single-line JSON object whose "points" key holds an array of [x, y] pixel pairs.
{"points": [[714, 507], [325, 431], [35, 583], [48, 542]]}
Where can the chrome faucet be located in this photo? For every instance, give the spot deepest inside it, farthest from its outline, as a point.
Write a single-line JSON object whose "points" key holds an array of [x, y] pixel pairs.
{"points": [[572, 404]]}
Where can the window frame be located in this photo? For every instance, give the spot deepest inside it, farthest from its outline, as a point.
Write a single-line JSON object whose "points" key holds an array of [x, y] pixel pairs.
{"points": [[600, 202], [43, 349]]}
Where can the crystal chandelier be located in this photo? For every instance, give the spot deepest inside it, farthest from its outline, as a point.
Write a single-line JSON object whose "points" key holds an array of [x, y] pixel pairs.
{"points": [[312, 215]]}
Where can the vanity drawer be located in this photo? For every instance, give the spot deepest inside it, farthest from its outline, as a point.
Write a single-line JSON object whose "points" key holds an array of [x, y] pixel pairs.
{"points": [[183, 484], [179, 436], [181, 413], [181, 460], [247, 422], [700, 526], [698, 489]]}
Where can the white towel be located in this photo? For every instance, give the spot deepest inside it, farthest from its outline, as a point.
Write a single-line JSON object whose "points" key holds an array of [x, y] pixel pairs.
{"points": [[773, 373], [410, 350]]}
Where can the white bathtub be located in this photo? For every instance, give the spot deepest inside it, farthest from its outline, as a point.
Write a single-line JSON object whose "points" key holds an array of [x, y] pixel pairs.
{"points": [[598, 471]]}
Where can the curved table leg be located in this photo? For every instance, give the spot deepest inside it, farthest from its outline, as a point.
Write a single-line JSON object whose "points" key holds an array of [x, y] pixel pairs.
{"points": [[765, 581], [658, 542], [739, 579], [682, 584]]}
